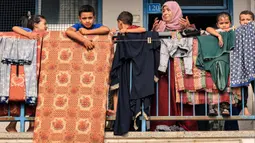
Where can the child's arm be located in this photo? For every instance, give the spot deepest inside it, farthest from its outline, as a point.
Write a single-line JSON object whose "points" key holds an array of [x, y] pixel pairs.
{"points": [[212, 31], [23, 32], [71, 32], [135, 30], [97, 31]]}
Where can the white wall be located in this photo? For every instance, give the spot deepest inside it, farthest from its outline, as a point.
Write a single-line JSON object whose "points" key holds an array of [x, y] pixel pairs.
{"points": [[112, 8], [240, 5]]}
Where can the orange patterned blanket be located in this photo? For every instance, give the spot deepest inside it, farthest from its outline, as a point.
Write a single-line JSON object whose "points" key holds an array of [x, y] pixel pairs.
{"points": [[72, 90]]}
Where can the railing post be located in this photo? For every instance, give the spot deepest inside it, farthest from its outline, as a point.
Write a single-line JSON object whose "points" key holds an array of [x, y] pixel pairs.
{"points": [[22, 118]]}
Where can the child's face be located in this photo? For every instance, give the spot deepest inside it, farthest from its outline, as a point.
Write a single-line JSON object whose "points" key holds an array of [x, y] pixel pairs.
{"points": [[120, 24], [167, 14], [245, 19], [223, 23], [87, 19], [42, 25]]}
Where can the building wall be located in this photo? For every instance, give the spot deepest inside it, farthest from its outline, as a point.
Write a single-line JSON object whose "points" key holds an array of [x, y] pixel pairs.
{"points": [[112, 8]]}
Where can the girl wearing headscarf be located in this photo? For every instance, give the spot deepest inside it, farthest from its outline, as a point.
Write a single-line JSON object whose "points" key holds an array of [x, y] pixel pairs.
{"points": [[171, 21]]}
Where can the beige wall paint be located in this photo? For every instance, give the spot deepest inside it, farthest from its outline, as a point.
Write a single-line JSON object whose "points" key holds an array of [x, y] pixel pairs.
{"points": [[112, 8], [240, 5]]}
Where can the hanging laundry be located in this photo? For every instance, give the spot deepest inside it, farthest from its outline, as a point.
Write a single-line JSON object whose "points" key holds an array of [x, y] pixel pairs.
{"points": [[215, 59], [4, 74], [14, 51], [176, 48], [242, 61], [141, 53]]}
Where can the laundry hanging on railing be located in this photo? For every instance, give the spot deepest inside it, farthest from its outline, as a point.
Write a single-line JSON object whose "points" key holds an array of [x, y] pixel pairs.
{"points": [[213, 58], [242, 61], [18, 52], [195, 87], [72, 90], [176, 48], [142, 55]]}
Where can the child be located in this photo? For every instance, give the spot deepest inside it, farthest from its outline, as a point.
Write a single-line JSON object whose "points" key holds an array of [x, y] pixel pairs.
{"points": [[125, 25], [223, 24], [245, 17], [30, 25], [86, 26]]}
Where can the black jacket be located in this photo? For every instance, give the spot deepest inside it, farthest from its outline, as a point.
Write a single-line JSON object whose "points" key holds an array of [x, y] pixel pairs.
{"points": [[143, 54]]}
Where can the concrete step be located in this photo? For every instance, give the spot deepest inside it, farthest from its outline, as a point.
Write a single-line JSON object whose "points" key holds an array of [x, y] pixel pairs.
{"points": [[155, 137]]}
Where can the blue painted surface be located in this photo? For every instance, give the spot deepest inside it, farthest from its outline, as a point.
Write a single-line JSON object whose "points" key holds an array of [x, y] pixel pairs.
{"points": [[153, 8], [99, 11]]}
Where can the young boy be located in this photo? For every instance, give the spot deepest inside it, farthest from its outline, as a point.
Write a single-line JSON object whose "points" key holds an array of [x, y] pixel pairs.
{"points": [[223, 25], [125, 25], [245, 17], [86, 26]]}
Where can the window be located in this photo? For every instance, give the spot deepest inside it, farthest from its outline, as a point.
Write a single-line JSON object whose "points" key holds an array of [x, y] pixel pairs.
{"points": [[61, 14], [195, 2], [11, 12]]}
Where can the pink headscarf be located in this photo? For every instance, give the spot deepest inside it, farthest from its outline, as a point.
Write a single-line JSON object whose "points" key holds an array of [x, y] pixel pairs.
{"points": [[176, 15]]}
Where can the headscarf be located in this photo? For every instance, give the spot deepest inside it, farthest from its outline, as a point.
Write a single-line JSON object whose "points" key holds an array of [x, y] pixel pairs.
{"points": [[176, 15]]}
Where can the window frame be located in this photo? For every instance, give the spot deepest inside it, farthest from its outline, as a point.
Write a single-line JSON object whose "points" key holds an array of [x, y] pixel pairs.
{"points": [[38, 7]]}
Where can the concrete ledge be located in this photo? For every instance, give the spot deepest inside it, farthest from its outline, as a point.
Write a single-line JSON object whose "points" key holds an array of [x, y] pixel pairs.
{"points": [[16, 136], [182, 135], [155, 137]]}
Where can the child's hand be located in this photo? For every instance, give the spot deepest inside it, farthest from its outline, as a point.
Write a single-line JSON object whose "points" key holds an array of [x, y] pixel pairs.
{"points": [[113, 31], [123, 30], [83, 31], [35, 36], [184, 22], [155, 24], [246, 112], [220, 40], [88, 44]]}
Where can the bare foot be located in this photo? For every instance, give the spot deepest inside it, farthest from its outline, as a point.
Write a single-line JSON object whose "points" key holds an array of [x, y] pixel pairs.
{"points": [[30, 129], [246, 112], [110, 112], [11, 129]]}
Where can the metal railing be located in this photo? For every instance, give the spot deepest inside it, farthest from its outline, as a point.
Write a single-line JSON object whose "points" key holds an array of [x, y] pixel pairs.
{"points": [[182, 117]]}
